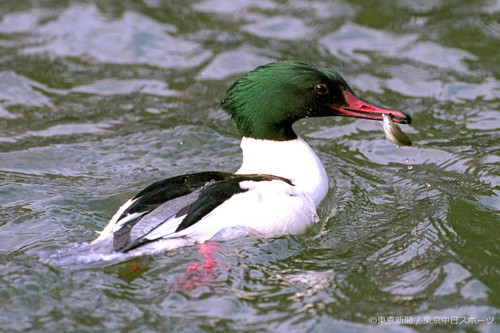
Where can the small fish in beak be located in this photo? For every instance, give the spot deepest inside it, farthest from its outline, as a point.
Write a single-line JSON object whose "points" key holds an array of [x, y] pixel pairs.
{"points": [[394, 133]]}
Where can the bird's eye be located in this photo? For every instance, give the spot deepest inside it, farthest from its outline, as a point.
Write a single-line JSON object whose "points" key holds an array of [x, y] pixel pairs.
{"points": [[321, 89]]}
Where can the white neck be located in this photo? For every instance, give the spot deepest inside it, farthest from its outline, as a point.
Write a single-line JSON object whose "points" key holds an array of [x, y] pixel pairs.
{"points": [[292, 159]]}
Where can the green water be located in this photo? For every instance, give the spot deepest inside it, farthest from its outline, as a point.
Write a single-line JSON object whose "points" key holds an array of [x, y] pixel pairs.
{"points": [[100, 98]]}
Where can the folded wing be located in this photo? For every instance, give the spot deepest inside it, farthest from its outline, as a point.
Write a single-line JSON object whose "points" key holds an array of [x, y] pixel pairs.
{"points": [[172, 205]]}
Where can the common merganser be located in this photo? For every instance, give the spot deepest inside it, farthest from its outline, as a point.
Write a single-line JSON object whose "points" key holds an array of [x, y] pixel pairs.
{"points": [[279, 184]]}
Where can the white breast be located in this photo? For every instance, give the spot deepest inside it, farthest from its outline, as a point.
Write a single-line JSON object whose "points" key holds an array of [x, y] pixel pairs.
{"points": [[292, 159]]}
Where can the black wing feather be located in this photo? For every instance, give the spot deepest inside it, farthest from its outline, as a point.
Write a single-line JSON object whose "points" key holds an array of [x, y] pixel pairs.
{"points": [[158, 193], [171, 188], [122, 235], [209, 199], [221, 186]]}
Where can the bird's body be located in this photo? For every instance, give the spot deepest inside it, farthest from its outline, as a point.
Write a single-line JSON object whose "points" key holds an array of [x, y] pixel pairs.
{"points": [[279, 184], [275, 191]]}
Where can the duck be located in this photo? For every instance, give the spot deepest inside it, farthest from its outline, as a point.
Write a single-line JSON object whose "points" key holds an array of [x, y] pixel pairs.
{"points": [[280, 183]]}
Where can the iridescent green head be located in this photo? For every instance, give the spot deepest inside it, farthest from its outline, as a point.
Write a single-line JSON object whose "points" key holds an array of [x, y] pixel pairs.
{"points": [[265, 102]]}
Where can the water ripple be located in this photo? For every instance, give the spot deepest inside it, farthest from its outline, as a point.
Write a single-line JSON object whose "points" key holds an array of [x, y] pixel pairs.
{"points": [[83, 31]]}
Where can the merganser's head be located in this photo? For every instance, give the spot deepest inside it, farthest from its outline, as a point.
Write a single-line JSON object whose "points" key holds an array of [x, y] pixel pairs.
{"points": [[265, 102]]}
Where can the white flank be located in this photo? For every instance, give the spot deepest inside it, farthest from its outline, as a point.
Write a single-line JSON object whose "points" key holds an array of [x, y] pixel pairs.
{"points": [[268, 208]]}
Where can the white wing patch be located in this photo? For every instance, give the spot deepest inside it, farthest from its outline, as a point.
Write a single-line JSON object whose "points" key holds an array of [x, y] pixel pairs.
{"points": [[166, 229]]}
